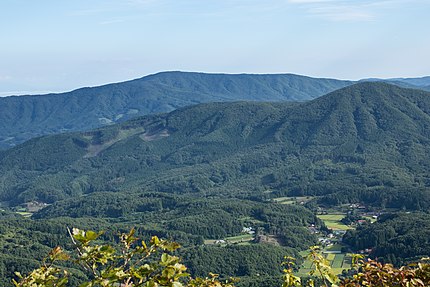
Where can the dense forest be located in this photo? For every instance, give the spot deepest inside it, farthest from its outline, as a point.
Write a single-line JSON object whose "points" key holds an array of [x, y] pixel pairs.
{"points": [[207, 176], [24, 242], [398, 238], [136, 262], [26, 117], [364, 143]]}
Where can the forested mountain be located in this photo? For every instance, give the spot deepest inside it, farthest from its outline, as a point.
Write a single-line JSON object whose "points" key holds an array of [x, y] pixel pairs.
{"points": [[25, 117], [419, 82], [416, 83], [204, 172], [368, 142]]}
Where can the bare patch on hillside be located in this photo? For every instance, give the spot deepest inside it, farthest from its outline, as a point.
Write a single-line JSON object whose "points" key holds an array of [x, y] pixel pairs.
{"points": [[95, 149], [7, 139], [155, 135], [105, 121], [268, 239]]}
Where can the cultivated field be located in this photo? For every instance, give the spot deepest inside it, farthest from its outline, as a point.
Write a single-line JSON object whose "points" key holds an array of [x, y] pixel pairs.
{"points": [[333, 221], [338, 261]]}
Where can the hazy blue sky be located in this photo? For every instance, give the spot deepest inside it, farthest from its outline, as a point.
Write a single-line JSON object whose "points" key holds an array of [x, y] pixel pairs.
{"points": [[48, 45]]}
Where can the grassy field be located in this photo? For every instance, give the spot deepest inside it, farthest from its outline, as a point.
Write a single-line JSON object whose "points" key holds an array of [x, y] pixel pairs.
{"points": [[243, 239], [292, 200], [338, 263], [25, 214], [347, 262], [333, 221], [334, 247], [284, 200], [240, 238], [330, 256], [372, 220]]}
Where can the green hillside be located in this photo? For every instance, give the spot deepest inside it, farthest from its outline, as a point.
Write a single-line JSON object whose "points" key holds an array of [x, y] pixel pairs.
{"points": [[203, 173], [25, 117], [397, 238], [187, 220], [368, 142]]}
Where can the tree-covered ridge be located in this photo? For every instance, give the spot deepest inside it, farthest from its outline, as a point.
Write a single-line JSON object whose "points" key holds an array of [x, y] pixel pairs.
{"points": [[190, 221], [419, 82], [209, 218], [397, 238], [203, 174], [339, 146], [25, 117], [136, 263]]}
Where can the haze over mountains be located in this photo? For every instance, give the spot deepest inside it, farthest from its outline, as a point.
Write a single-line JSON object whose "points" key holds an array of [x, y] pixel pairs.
{"points": [[419, 82], [25, 117], [368, 142], [422, 83]]}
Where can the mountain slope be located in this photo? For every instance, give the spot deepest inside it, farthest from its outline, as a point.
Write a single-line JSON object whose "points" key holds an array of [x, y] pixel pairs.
{"points": [[419, 82], [422, 83], [25, 117], [369, 142]]}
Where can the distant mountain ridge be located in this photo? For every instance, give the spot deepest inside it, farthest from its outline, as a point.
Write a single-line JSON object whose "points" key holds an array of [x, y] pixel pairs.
{"points": [[422, 83], [366, 142], [25, 117], [419, 82]]}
